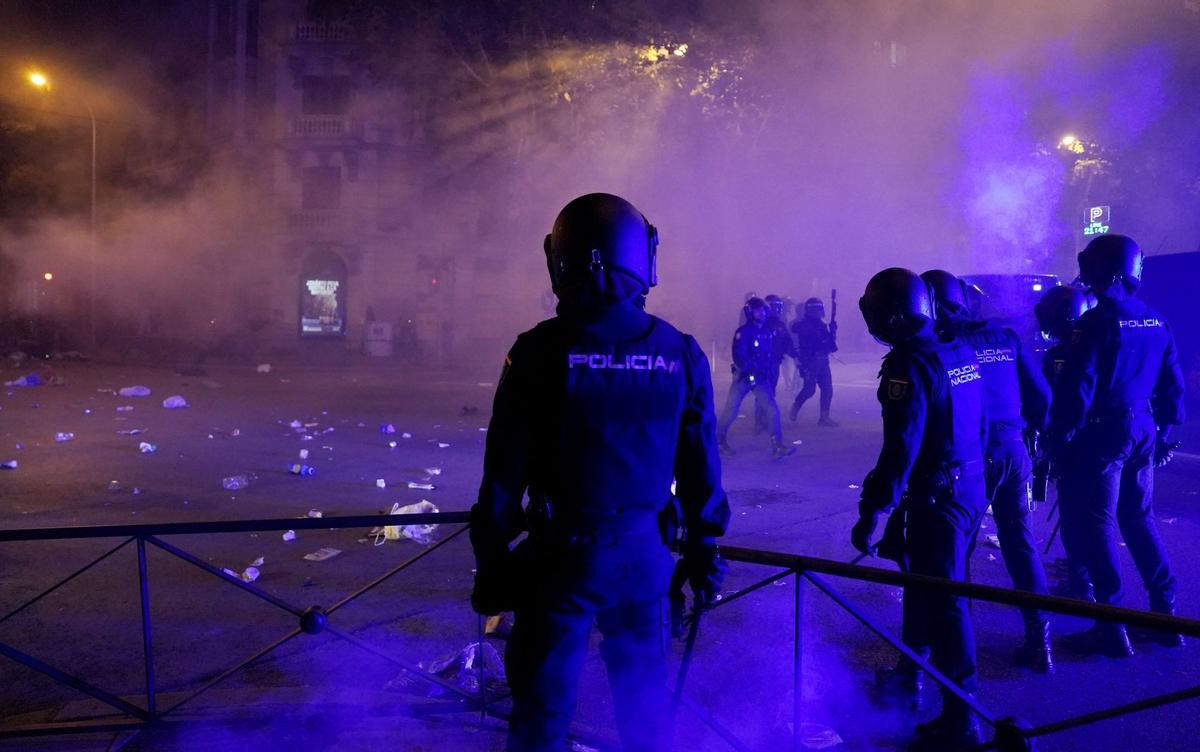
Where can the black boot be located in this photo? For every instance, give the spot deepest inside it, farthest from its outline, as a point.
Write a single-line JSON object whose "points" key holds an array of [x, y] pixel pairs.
{"points": [[1035, 653], [900, 687], [1165, 606], [957, 728], [779, 451], [1104, 638]]}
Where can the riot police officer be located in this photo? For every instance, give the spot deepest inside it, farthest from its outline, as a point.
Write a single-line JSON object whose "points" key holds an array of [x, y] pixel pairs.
{"points": [[782, 347], [1057, 311], [934, 432], [596, 411], [753, 358], [1118, 395], [815, 342], [1017, 401]]}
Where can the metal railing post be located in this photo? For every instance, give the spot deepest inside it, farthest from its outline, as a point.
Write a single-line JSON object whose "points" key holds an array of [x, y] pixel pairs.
{"points": [[147, 640], [480, 655], [798, 663]]}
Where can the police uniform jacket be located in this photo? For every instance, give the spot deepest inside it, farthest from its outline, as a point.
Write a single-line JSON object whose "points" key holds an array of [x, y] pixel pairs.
{"points": [[1014, 390], [934, 421], [754, 352], [595, 414], [814, 341], [1121, 360]]}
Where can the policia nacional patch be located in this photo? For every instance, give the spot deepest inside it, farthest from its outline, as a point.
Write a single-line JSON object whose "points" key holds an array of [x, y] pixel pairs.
{"points": [[897, 389]]}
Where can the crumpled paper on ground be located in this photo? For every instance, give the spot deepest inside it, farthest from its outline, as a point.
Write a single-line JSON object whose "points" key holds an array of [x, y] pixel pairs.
{"points": [[420, 533]]}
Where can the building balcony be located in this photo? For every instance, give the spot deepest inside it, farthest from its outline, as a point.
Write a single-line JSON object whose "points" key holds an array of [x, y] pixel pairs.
{"points": [[323, 224], [322, 32]]}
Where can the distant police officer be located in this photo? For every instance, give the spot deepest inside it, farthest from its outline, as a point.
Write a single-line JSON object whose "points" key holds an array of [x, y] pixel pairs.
{"points": [[782, 348], [597, 410], [1120, 391], [815, 342], [934, 432], [753, 362], [1016, 400], [1057, 313]]}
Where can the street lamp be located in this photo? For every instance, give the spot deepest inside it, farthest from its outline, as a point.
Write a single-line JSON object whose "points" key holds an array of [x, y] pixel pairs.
{"points": [[41, 81]]}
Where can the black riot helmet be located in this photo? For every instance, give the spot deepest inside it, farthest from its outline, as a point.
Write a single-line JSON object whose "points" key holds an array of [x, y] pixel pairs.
{"points": [[775, 306], [595, 236], [814, 308], [949, 293], [897, 306], [1060, 308], [751, 304], [1108, 259]]}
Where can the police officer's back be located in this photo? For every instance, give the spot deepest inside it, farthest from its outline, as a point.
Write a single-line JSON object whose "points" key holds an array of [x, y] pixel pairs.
{"points": [[597, 410], [934, 429], [1017, 401], [1118, 395]]}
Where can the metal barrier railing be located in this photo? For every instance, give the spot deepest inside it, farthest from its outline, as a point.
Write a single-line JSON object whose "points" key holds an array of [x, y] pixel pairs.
{"points": [[1010, 734]]}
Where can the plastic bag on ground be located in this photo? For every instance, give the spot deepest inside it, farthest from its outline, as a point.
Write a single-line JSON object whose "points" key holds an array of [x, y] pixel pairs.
{"points": [[462, 668], [134, 391], [175, 402], [31, 380], [235, 482], [420, 533], [263, 368]]}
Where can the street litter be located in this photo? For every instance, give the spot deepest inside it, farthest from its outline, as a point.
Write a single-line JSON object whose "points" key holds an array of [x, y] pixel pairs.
{"points": [[421, 486], [136, 491], [114, 486], [250, 574], [442, 445], [263, 368], [993, 540], [130, 431], [853, 485], [462, 668], [303, 454], [797, 442], [134, 391], [315, 514], [816, 736], [419, 533], [62, 436], [289, 535], [303, 470], [175, 402], [8, 465], [147, 448], [297, 425], [380, 483], [406, 435], [1169, 520], [321, 554], [257, 562], [387, 428], [391, 445], [433, 471], [235, 482], [31, 380], [124, 408]]}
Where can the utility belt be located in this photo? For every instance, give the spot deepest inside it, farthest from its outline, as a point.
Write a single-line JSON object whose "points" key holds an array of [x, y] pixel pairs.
{"points": [[1119, 413], [943, 484], [555, 524]]}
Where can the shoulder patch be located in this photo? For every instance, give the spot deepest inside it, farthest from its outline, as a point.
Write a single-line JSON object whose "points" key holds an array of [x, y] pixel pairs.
{"points": [[897, 389]]}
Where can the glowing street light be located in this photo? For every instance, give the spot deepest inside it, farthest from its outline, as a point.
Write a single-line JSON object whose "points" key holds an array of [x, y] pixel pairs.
{"points": [[41, 81], [1071, 143], [48, 276]]}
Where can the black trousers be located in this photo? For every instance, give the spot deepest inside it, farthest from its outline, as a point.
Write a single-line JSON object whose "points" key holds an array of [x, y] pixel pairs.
{"points": [[1112, 468], [816, 374], [619, 583]]}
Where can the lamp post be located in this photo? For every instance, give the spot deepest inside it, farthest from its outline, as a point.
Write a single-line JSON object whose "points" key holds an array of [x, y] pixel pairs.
{"points": [[40, 81]]}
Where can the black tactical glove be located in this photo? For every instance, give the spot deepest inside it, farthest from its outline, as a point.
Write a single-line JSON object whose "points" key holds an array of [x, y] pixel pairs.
{"points": [[493, 589], [705, 570], [1164, 449], [863, 532]]}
